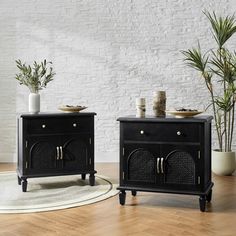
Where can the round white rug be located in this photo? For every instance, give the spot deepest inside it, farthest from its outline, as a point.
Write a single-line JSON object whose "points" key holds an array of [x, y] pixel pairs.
{"points": [[52, 193]]}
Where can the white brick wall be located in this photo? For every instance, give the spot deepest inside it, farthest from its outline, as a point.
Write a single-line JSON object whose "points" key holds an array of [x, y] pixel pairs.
{"points": [[105, 53]]}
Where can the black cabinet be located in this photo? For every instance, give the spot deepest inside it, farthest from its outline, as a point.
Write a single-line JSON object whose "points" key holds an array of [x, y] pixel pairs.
{"points": [[169, 155], [55, 144]]}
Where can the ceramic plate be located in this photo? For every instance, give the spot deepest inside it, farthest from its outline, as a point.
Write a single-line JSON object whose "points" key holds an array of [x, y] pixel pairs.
{"points": [[183, 114], [67, 108]]}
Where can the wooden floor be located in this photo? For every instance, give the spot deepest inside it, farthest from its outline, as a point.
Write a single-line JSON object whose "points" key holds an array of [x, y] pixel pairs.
{"points": [[146, 214]]}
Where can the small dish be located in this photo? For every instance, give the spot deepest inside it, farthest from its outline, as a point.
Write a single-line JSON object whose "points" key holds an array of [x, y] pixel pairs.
{"points": [[184, 114], [68, 108]]}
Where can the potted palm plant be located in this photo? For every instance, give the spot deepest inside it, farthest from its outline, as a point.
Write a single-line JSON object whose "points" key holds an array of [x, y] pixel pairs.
{"points": [[35, 77], [218, 70]]}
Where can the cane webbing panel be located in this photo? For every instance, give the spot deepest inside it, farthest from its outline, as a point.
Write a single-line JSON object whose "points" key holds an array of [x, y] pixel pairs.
{"points": [[141, 166], [180, 168]]}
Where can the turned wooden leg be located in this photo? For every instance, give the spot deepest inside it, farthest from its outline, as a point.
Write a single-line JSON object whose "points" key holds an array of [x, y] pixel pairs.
{"points": [[122, 196], [24, 185], [209, 196], [83, 176], [202, 203], [19, 180], [91, 179], [134, 193]]}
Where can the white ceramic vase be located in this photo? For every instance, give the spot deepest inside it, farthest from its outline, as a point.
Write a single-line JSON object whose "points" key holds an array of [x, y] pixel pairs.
{"points": [[34, 102], [223, 163]]}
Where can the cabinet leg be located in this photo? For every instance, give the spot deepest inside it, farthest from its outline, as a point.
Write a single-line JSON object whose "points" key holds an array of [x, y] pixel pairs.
{"points": [[83, 176], [19, 180], [209, 196], [122, 196], [91, 179], [134, 193], [24, 185], [202, 203]]}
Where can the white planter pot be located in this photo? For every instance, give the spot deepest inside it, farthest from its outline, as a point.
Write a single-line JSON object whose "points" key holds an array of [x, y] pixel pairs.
{"points": [[223, 163], [34, 102]]}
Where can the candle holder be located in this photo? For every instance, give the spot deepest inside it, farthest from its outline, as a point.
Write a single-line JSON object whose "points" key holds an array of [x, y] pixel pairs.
{"points": [[159, 103], [140, 107]]}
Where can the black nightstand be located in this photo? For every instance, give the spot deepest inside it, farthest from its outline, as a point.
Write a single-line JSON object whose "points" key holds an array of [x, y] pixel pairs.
{"points": [[53, 144], [168, 155]]}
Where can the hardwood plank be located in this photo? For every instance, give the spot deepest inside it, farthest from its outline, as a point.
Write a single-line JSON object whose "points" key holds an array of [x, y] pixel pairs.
{"points": [[146, 214]]}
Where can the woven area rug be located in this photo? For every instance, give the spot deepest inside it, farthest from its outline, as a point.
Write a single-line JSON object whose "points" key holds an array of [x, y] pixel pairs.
{"points": [[52, 193]]}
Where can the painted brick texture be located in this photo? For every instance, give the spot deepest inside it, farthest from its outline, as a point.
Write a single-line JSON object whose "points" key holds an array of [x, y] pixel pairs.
{"points": [[105, 53]]}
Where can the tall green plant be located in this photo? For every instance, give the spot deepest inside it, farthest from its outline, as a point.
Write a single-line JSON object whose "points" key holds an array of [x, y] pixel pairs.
{"points": [[35, 77], [218, 69]]}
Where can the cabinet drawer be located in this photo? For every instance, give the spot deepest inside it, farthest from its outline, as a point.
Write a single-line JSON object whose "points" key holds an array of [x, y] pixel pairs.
{"points": [[162, 132], [53, 125]]}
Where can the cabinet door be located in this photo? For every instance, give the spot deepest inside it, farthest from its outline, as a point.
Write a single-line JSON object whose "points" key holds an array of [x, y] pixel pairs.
{"points": [[180, 166], [77, 152], [140, 164], [41, 154]]}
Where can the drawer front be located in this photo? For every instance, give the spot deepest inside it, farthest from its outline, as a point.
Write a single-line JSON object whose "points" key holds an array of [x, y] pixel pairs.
{"points": [[59, 125], [162, 132]]}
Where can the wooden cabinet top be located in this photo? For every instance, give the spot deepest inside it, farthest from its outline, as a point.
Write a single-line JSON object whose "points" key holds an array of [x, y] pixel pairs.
{"points": [[150, 119], [56, 114]]}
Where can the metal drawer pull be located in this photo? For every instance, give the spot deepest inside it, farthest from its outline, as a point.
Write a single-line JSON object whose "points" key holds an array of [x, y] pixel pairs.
{"points": [[58, 154], [162, 170], [61, 152], [43, 126], [141, 132], [74, 125], [158, 170], [178, 133]]}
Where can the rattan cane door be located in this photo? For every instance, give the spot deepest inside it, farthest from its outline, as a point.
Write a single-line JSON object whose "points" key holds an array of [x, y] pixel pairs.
{"points": [[140, 164], [181, 166]]}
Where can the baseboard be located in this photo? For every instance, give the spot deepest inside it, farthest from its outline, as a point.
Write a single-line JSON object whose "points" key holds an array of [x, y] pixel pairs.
{"points": [[7, 158], [106, 157]]}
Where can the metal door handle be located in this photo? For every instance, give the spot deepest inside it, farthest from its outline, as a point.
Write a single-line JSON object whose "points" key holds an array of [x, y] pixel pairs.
{"points": [[61, 152], [162, 170], [158, 170], [58, 153]]}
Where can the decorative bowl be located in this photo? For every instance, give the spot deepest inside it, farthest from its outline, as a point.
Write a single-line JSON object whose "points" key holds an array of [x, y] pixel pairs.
{"points": [[184, 114], [69, 108]]}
